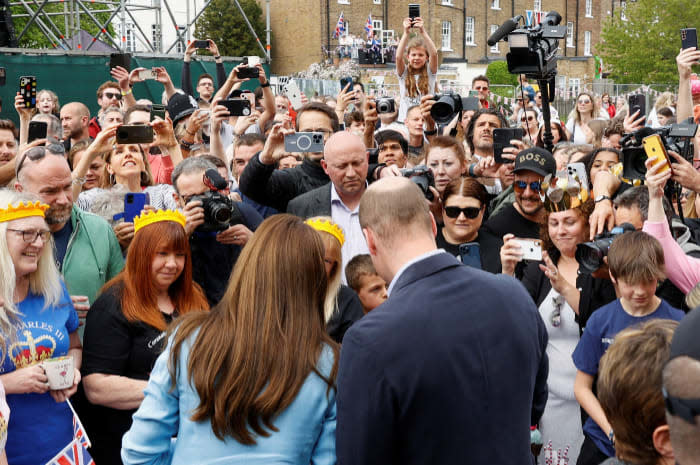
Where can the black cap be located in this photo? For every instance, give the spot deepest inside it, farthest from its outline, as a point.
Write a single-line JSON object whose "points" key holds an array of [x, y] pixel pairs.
{"points": [[535, 159], [685, 338], [180, 106]]}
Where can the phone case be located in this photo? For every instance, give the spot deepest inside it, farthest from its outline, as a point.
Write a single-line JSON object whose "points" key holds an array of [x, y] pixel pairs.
{"points": [[120, 59], [27, 88], [530, 248], [135, 134], [37, 130], [638, 102], [470, 254], [293, 93], [689, 38], [655, 150], [501, 140], [413, 10], [133, 204], [578, 170]]}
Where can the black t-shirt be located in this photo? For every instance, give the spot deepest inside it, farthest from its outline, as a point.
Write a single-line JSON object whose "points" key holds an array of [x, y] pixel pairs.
{"points": [[115, 346], [488, 250], [509, 220]]}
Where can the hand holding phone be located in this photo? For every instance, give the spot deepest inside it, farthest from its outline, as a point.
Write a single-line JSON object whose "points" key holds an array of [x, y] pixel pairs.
{"points": [[689, 38], [501, 140], [27, 89], [201, 44], [531, 249], [655, 150]]}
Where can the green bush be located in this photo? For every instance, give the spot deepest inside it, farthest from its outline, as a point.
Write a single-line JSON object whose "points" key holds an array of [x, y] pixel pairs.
{"points": [[498, 74]]}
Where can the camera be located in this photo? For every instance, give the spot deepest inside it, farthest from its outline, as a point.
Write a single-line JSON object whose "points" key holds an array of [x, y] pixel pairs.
{"points": [[676, 138], [386, 105], [533, 49], [590, 254], [220, 212], [311, 142], [249, 71], [422, 177], [445, 107]]}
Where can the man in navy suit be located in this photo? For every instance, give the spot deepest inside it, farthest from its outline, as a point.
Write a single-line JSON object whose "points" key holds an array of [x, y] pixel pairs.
{"points": [[452, 368]]}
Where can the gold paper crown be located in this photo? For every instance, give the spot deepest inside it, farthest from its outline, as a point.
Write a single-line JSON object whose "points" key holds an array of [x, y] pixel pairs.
{"points": [[23, 210], [151, 217], [563, 191], [329, 227]]}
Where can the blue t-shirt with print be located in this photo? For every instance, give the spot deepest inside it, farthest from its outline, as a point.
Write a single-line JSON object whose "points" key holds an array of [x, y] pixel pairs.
{"points": [[599, 333], [39, 427]]}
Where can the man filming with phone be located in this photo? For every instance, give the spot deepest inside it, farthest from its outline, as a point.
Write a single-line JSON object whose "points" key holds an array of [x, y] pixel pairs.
{"points": [[205, 82]]}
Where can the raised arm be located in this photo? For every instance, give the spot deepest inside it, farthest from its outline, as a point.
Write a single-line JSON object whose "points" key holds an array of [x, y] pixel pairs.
{"points": [[685, 60], [268, 98], [432, 51], [186, 78], [401, 49]]}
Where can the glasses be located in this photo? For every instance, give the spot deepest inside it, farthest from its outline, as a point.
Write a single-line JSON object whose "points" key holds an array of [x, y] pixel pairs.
{"points": [[110, 95], [37, 153], [29, 235], [481, 88], [538, 96], [585, 101], [529, 118], [469, 212], [323, 130], [520, 186]]}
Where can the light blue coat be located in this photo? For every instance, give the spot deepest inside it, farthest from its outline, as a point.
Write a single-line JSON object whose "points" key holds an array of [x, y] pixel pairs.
{"points": [[306, 428]]}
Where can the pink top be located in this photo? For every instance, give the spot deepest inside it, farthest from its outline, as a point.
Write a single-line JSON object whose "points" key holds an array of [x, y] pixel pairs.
{"points": [[161, 168], [682, 270]]}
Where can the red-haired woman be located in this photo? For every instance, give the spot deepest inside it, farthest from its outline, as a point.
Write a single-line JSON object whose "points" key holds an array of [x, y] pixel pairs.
{"points": [[125, 328]]}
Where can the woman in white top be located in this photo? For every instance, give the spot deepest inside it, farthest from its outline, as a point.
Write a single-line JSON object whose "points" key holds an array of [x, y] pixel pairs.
{"points": [[416, 66], [585, 111]]}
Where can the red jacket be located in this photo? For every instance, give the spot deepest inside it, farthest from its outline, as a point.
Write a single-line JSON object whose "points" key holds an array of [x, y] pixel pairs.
{"points": [[94, 127]]}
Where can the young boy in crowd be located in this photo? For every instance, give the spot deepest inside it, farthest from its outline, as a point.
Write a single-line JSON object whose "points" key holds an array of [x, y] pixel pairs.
{"points": [[363, 279], [636, 263]]}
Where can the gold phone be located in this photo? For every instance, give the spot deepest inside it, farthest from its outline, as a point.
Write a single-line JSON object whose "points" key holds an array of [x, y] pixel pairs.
{"points": [[655, 150]]}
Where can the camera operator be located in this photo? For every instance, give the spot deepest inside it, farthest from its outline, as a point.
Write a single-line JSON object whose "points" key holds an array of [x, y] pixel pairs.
{"points": [[213, 253], [205, 83]]}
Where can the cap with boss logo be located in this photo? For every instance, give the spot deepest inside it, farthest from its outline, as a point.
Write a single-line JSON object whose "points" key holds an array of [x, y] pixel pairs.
{"points": [[535, 159]]}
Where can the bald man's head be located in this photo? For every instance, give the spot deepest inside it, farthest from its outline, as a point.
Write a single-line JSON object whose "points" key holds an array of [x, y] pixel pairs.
{"points": [[345, 161], [681, 379], [75, 117], [394, 208], [342, 142]]}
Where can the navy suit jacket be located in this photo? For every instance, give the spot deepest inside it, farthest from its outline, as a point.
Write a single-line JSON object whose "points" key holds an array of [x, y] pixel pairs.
{"points": [[451, 369]]}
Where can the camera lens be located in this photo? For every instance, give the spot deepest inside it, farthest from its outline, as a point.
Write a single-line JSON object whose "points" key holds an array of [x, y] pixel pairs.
{"points": [[443, 110], [589, 256], [221, 213]]}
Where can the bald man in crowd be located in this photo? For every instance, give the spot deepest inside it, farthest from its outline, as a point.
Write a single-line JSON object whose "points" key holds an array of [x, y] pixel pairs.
{"points": [[452, 367], [75, 119], [345, 161]]}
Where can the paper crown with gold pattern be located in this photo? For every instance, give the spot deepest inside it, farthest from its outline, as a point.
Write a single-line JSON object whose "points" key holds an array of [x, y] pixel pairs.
{"points": [[23, 210], [151, 217], [329, 227], [563, 191]]}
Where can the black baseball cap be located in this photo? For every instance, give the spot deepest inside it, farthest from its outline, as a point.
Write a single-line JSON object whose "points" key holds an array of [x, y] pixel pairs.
{"points": [[535, 159]]}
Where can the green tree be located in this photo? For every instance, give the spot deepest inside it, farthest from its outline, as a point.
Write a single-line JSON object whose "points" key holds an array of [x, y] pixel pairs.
{"points": [[223, 23], [35, 38], [497, 72], [643, 48]]}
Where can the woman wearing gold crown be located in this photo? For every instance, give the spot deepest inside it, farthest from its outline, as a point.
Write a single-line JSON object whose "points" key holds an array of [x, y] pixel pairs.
{"points": [[38, 323], [125, 332], [565, 300]]}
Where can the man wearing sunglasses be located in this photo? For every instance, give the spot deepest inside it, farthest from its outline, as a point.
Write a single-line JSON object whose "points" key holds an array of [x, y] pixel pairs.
{"points": [[108, 95], [75, 118], [522, 218]]}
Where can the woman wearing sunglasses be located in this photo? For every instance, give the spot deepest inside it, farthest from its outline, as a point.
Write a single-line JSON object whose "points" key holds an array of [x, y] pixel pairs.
{"points": [[565, 300], [586, 110], [464, 202]]}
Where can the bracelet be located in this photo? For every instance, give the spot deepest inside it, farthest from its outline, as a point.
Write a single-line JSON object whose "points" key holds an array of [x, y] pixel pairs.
{"points": [[471, 170], [124, 94], [430, 133], [267, 84], [217, 57], [186, 145], [79, 181]]}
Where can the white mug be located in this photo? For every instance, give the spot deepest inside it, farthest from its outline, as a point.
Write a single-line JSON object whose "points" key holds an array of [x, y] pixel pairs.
{"points": [[60, 372]]}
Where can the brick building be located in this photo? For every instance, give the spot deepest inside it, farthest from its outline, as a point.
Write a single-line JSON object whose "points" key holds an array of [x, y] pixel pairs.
{"points": [[301, 29]]}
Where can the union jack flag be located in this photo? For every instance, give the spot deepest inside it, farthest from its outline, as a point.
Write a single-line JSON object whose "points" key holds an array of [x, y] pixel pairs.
{"points": [[369, 29], [339, 26], [74, 453]]}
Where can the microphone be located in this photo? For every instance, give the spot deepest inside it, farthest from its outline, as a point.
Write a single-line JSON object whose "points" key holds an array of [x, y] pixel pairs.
{"points": [[505, 29]]}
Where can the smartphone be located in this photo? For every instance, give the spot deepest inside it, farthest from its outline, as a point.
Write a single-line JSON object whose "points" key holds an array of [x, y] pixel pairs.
{"points": [[344, 82], [637, 102], [201, 43], [470, 255], [474, 93], [37, 130], [501, 140], [578, 171], [133, 205], [135, 134], [27, 89], [689, 38], [253, 60], [470, 104], [148, 74], [157, 111], [3, 74], [311, 142], [237, 106], [120, 59], [413, 11], [655, 150], [291, 90], [248, 72], [530, 248]]}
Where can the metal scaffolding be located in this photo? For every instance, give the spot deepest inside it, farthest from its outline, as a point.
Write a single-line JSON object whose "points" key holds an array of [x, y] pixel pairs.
{"points": [[75, 11]]}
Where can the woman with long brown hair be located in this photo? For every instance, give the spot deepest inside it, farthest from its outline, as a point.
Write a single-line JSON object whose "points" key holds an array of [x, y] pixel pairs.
{"points": [[125, 327], [254, 380]]}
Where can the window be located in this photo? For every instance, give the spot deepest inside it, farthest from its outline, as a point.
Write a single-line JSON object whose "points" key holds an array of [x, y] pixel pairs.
{"points": [[377, 2], [130, 39], [587, 43], [623, 11], [494, 49], [446, 35], [495, 4], [347, 27], [387, 38], [537, 5], [589, 8], [377, 25], [344, 2], [570, 34], [574, 87], [156, 37], [447, 2], [469, 31]]}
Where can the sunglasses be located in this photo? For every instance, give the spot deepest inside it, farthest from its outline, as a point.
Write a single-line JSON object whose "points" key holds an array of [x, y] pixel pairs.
{"points": [[469, 212], [110, 95], [37, 153], [585, 102], [520, 186], [529, 118]]}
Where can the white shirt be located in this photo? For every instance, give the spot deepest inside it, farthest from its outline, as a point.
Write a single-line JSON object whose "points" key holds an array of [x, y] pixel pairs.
{"points": [[349, 220], [409, 263]]}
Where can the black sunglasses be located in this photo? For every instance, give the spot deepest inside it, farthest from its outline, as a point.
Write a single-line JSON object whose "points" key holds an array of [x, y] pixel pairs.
{"points": [[469, 212], [110, 95], [37, 153]]}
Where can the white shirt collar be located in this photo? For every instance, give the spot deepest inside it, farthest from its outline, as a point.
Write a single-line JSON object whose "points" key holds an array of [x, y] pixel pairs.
{"points": [[409, 263]]}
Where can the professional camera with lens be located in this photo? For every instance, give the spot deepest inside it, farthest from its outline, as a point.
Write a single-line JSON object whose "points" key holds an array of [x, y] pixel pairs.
{"points": [[445, 108], [676, 138], [533, 50], [422, 177], [590, 255], [386, 105], [220, 212]]}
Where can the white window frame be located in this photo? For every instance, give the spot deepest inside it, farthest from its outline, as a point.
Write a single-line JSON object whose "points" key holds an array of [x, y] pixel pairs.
{"points": [[495, 4], [446, 35], [574, 86], [623, 10], [343, 2], [156, 37], [494, 48], [447, 2], [587, 43], [387, 37], [589, 8], [537, 5], [570, 34], [471, 29], [347, 27], [130, 44], [377, 25], [377, 2]]}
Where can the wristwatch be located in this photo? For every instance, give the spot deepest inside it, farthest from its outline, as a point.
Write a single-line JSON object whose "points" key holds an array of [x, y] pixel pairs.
{"points": [[600, 198]]}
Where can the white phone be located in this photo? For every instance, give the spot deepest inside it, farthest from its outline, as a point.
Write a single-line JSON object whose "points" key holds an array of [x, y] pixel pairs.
{"points": [[578, 170], [291, 90], [148, 74], [530, 248], [253, 61]]}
